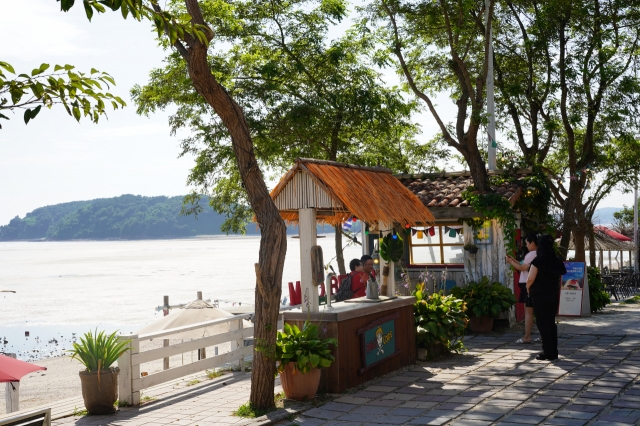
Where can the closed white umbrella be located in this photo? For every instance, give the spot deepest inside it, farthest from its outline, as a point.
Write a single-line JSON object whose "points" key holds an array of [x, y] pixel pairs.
{"points": [[193, 313]]}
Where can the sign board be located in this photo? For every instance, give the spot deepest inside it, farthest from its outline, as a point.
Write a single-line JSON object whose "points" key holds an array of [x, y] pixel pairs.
{"points": [[378, 342], [572, 289]]}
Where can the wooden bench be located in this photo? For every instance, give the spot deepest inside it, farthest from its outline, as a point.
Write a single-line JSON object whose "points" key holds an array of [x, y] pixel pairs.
{"points": [[28, 418]]}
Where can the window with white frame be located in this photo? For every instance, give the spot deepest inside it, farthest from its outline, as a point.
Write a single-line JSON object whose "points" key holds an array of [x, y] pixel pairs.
{"points": [[437, 245]]}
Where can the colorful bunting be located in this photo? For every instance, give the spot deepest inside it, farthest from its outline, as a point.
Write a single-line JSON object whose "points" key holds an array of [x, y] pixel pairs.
{"points": [[420, 235]]}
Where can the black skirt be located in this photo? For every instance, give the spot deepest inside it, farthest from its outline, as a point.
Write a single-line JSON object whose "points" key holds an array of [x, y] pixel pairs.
{"points": [[523, 292]]}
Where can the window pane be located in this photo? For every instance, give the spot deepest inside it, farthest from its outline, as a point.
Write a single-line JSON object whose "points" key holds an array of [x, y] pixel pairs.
{"points": [[427, 238], [451, 235], [453, 254], [426, 255]]}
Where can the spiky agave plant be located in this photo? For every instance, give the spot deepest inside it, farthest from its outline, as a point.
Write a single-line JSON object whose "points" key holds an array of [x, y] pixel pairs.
{"points": [[97, 351]]}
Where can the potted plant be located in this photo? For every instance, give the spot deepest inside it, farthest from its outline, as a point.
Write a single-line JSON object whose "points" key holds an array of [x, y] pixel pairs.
{"points": [[471, 248], [299, 355], [440, 322], [97, 352], [485, 301]]}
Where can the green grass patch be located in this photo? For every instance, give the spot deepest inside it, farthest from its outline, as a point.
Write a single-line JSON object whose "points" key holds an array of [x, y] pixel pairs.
{"points": [[79, 413], [247, 411], [212, 374], [147, 398], [119, 403], [633, 300], [193, 382]]}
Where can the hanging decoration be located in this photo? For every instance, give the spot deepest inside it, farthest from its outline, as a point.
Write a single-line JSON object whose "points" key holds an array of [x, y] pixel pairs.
{"points": [[420, 235]]}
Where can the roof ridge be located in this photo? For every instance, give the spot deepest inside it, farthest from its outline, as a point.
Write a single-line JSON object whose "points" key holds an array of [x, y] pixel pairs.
{"points": [[378, 169]]}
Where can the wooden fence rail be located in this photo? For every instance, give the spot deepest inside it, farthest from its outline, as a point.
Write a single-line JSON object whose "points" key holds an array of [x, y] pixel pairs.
{"points": [[130, 383]]}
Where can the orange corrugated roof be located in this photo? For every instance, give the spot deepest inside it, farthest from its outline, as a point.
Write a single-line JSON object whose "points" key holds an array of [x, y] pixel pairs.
{"points": [[368, 193]]}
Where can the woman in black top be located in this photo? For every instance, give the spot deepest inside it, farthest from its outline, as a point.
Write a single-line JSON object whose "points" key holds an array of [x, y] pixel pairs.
{"points": [[543, 286]]}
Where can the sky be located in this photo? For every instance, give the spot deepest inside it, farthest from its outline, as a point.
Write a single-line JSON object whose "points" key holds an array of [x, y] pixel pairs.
{"points": [[54, 159]]}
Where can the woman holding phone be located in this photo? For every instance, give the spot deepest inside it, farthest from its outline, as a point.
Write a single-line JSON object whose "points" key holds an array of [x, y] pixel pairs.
{"points": [[531, 241]]}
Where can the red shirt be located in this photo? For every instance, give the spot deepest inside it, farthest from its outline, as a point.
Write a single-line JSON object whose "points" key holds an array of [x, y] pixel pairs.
{"points": [[358, 284]]}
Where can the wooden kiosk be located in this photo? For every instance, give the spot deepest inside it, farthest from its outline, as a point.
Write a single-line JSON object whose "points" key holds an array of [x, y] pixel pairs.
{"points": [[374, 337]]}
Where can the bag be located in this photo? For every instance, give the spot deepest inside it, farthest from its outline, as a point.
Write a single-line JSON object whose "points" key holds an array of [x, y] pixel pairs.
{"points": [[528, 302], [344, 292]]}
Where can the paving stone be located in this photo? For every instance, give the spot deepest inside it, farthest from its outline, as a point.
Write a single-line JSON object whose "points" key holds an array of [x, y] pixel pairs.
{"points": [[367, 409], [337, 406], [576, 414], [529, 420], [457, 407], [352, 400], [384, 403], [429, 420], [392, 420], [533, 411], [475, 415], [356, 417], [401, 411], [306, 421], [321, 413], [565, 422], [381, 388]]}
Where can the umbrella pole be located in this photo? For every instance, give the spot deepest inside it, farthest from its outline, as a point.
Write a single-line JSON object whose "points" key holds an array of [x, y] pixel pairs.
{"points": [[11, 398], [165, 342]]}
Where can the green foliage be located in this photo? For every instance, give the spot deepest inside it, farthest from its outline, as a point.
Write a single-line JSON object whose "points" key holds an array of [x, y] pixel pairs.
{"points": [[623, 221], [303, 347], [124, 217], [80, 94], [391, 249], [493, 206], [249, 411], [598, 297], [302, 96], [485, 298], [98, 351], [631, 301], [439, 318]]}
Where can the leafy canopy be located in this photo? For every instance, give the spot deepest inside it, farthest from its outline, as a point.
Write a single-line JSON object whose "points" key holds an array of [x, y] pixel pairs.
{"points": [[79, 93]]}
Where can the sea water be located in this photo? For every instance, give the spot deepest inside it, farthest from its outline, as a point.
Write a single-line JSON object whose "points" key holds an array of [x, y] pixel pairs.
{"points": [[64, 289]]}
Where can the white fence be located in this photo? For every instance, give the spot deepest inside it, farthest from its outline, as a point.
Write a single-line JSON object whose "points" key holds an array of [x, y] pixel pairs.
{"points": [[130, 382]]}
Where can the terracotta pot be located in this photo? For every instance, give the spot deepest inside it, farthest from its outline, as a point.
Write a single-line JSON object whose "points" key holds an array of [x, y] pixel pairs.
{"points": [[482, 324], [100, 395], [299, 386], [435, 349]]}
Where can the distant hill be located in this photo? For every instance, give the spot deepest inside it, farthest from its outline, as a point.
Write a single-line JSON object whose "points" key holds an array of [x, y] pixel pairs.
{"points": [[604, 215], [128, 217]]}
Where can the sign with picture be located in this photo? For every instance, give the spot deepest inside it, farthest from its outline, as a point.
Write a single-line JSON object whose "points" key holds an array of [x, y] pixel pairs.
{"points": [[483, 235], [572, 289], [378, 341]]}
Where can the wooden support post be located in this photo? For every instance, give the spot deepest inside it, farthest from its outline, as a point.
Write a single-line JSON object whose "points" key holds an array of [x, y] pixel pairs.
{"points": [[12, 397], [165, 342], [125, 378], [135, 370], [390, 281], [307, 228], [601, 261], [240, 344], [609, 251]]}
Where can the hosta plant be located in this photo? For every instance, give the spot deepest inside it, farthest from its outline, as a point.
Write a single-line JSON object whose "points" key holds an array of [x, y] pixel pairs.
{"points": [[98, 351], [303, 347], [439, 319], [485, 297]]}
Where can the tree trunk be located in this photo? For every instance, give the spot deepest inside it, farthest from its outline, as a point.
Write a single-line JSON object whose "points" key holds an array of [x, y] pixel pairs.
{"points": [[339, 254], [477, 169], [273, 242], [592, 245], [579, 234]]}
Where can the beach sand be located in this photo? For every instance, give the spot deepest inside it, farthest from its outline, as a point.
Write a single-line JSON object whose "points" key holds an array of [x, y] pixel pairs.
{"points": [[60, 381]]}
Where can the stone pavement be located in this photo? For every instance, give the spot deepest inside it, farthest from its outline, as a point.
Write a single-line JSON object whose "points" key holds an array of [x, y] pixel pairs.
{"points": [[210, 402], [595, 382]]}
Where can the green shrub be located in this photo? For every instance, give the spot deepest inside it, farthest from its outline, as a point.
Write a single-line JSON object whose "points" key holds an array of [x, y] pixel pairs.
{"points": [[598, 297], [485, 297], [303, 347], [98, 351], [439, 318]]}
